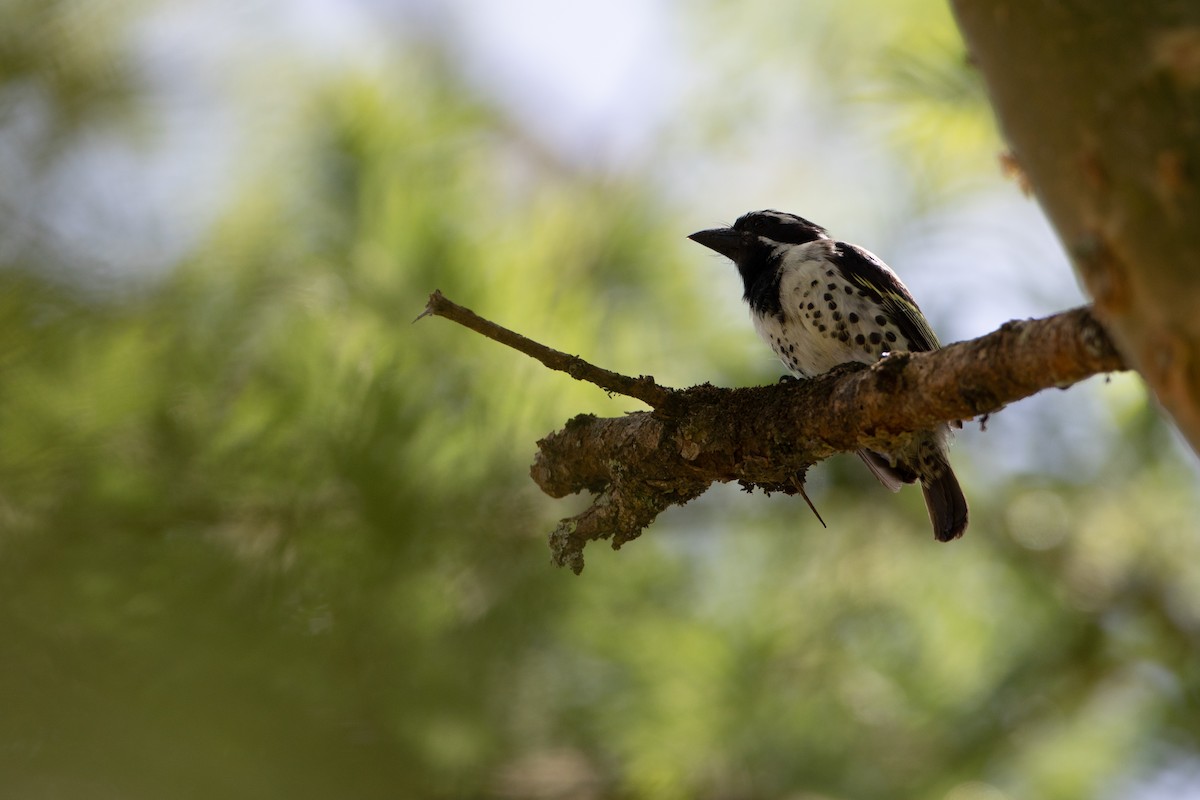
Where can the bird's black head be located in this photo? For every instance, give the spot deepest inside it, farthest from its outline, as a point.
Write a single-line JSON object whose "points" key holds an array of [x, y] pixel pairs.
{"points": [[780, 227], [755, 237]]}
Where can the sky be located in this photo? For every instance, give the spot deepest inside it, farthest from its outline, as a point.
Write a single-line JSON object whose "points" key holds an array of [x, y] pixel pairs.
{"points": [[604, 86]]}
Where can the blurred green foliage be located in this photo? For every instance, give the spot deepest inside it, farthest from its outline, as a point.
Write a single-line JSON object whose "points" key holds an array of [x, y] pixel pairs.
{"points": [[261, 537]]}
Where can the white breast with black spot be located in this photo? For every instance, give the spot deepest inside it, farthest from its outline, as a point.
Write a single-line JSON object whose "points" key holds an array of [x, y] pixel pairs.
{"points": [[825, 321]]}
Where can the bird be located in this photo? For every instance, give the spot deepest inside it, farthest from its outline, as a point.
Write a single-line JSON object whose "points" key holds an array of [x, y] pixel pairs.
{"points": [[818, 303]]}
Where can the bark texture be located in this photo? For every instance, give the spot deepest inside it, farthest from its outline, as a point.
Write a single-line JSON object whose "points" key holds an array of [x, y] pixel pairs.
{"points": [[767, 436], [1100, 103]]}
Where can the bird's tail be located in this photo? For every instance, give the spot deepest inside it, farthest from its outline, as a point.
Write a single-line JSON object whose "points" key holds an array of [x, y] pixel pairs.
{"points": [[945, 501], [943, 496], [893, 476]]}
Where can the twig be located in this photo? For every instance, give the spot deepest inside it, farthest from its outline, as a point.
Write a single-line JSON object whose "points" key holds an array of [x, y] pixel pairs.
{"points": [[642, 388], [798, 482]]}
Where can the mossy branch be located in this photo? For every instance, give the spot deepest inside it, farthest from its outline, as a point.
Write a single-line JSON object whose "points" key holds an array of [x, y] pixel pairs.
{"points": [[767, 436]]}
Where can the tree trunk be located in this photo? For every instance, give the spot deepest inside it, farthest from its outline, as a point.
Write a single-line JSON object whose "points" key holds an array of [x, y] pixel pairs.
{"points": [[1100, 103]]}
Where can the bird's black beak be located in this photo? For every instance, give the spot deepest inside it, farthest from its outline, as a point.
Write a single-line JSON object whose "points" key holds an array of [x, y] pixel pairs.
{"points": [[726, 241]]}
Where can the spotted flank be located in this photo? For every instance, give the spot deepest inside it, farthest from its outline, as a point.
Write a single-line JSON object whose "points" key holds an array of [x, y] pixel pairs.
{"points": [[827, 316], [874, 281]]}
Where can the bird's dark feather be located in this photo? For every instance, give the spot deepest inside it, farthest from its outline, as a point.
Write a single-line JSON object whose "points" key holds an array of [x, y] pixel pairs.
{"points": [[762, 288], [781, 227], [882, 286]]}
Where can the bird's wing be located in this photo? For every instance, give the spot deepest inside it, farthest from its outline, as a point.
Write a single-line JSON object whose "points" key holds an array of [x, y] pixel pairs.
{"points": [[865, 270]]}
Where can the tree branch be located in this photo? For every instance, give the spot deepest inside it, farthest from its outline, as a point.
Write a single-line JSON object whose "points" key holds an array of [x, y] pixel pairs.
{"points": [[767, 436], [641, 388]]}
